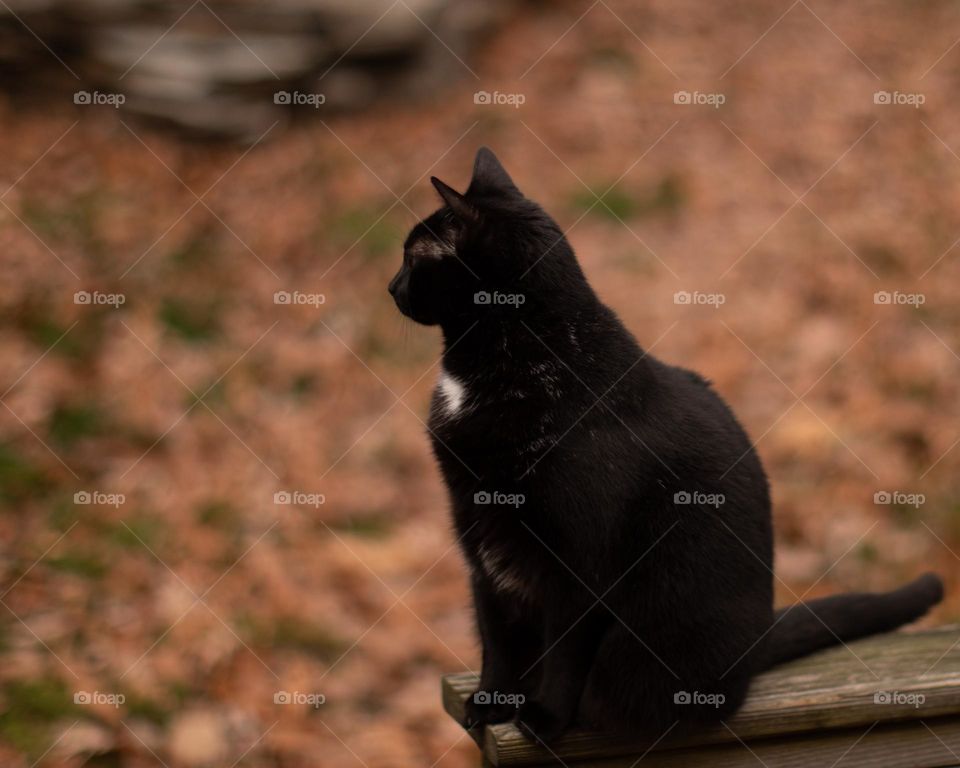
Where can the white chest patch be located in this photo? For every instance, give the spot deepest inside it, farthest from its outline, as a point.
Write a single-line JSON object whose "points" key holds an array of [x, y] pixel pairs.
{"points": [[453, 391]]}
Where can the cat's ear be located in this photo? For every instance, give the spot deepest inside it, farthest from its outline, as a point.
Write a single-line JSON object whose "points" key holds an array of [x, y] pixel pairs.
{"points": [[489, 175], [457, 202]]}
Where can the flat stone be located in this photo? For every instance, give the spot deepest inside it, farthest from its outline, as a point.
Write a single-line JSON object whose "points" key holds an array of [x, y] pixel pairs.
{"points": [[348, 87], [198, 57], [361, 28], [244, 120], [152, 86]]}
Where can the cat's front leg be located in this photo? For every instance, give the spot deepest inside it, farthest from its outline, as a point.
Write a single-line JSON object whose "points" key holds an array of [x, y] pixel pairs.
{"points": [[572, 633], [510, 641]]}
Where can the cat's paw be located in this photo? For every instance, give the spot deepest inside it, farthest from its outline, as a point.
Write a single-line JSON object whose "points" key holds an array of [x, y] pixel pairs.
{"points": [[541, 724], [480, 711]]}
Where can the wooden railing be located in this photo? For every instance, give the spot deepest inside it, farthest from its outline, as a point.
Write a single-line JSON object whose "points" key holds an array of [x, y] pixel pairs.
{"points": [[890, 701]]}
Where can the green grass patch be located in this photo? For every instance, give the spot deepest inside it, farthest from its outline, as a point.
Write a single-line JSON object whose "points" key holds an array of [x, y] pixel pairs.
{"points": [[868, 553], [218, 514], [84, 564], [45, 333], [61, 513], [74, 219], [30, 708], [20, 479], [668, 197], [304, 384], [137, 532], [905, 516], [383, 237], [148, 709], [611, 57], [373, 526], [70, 423], [79, 342], [614, 204], [182, 693], [292, 633], [201, 250], [192, 322], [618, 204], [217, 395]]}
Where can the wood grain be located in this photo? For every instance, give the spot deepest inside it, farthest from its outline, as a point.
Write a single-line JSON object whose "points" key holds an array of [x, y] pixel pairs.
{"points": [[829, 691]]}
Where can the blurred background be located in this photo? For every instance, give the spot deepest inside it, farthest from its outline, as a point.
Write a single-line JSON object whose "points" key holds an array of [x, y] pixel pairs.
{"points": [[223, 539]]}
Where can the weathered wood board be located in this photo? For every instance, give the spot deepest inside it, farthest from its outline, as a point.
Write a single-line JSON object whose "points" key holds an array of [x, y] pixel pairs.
{"points": [[904, 687]]}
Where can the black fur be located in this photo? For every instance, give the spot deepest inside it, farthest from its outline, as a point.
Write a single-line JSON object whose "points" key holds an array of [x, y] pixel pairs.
{"points": [[601, 598]]}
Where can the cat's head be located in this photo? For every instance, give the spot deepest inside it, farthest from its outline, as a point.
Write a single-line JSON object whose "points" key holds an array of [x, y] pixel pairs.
{"points": [[489, 252]]}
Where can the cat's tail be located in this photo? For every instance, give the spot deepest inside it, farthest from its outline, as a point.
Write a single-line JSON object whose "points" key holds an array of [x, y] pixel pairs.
{"points": [[807, 627]]}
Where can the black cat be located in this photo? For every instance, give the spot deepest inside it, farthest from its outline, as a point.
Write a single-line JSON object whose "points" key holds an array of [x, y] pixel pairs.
{"points": [[613, 513]]}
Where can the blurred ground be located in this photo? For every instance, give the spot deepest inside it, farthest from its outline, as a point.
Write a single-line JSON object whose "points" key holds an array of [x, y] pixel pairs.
{"points": [[198, 598]]}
